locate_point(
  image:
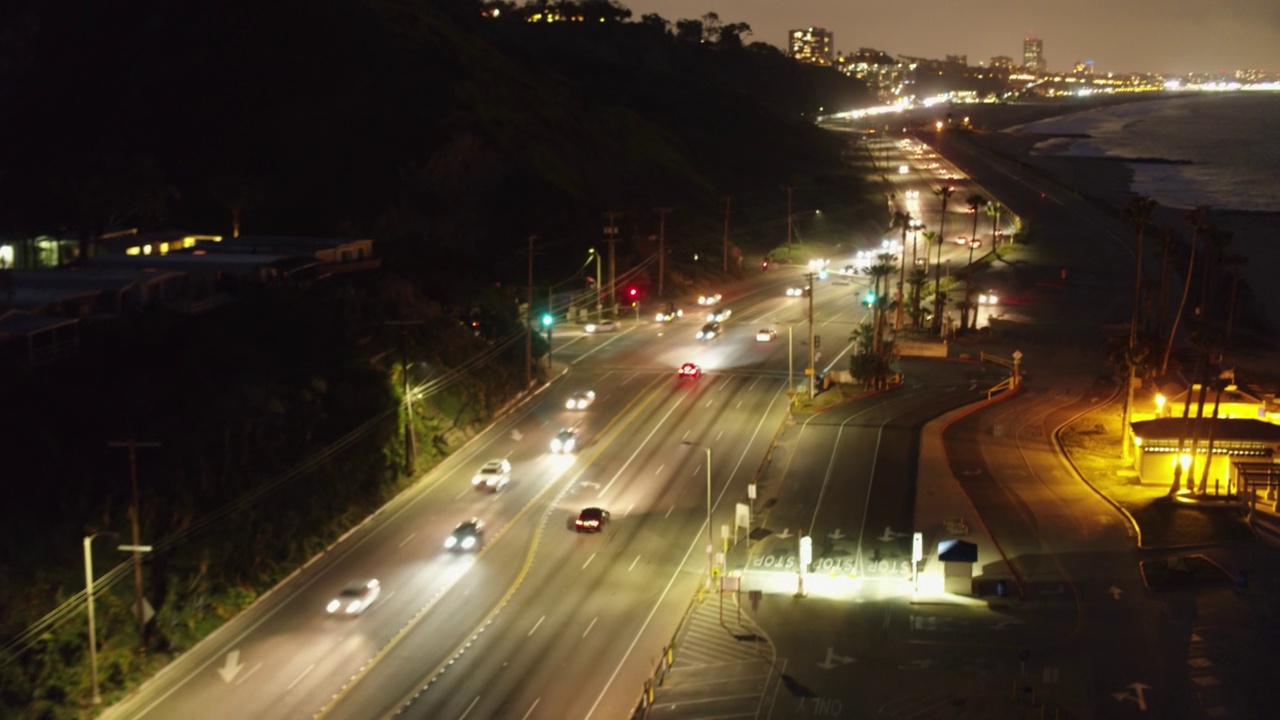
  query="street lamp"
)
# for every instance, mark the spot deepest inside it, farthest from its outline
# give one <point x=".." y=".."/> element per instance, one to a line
<point x="88" y="591"/>
<point x="710" y="542"/>
<point x="599" y="306"/>
<point x="93" y="635"/>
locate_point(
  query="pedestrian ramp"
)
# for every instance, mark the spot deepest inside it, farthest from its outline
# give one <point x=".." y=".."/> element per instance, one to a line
<point x="719" y="665"/>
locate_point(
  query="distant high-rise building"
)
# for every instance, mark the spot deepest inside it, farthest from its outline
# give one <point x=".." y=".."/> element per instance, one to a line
<point x="1002" y="62"/>
<point x="813" y="46"/>
<point x="1033" y="54"/>
<point x="1084" y="67"/>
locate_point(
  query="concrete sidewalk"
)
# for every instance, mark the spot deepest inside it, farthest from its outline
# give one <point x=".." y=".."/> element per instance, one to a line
<point x="944" y="512"/>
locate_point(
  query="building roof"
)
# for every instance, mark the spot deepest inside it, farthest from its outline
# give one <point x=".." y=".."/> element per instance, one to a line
<point x="16" y="322"/>
<point x="280" y="242"/>
<point x="1223" y="429"/>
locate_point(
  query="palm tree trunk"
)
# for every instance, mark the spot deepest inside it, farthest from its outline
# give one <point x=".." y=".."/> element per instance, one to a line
<point x="1182" y="304"/>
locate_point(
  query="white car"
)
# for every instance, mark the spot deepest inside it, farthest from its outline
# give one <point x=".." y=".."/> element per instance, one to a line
<point x="580" y="400"/>
<point x="565" y="441"/>
<point x="602" y="326"/>
<point x="719" y="315"/>
<point x="354" y="598"/>
<point x="766" y="335"/>
<point x="796" y="292"/>
<point x="961" y="240"/>
<point x="988" y="298"/>
<point x="711" y="299"/>
<point x="493" y="476"/>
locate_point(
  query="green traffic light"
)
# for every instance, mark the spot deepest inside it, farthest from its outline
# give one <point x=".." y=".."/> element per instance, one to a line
<point x="546" y="320"/>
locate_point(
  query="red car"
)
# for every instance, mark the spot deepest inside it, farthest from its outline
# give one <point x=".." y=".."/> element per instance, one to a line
<point x="689" y="370"/>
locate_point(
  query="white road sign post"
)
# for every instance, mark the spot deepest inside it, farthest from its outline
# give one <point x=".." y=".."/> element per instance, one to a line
<point x="806" y="557"/>
<point x="917" y="554"/>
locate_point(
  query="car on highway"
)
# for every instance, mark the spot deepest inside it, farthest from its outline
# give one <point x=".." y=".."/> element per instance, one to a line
<point x="467" y="536"/>
<point x="602" y="327"/>
<point x="990" y="297"/>
<point x="580" y="400"/>
<point x="710" y="331"/>
<point x="719" y="315"/>
<point x="493" y="475"/>
<point x="711" y="299"/>
<point x="975" y="243"/>
<point x="766" y="335"/>
<point x="797" y="291"/>
<point x="354" y="598"/>
<point x="912" y="194"/>
<point x="689" y="371"/>
<point x="668" y="314"/>
<point x="565" y="441"/>
<point x="961" y="240"/>
<point x="592" y="519"/>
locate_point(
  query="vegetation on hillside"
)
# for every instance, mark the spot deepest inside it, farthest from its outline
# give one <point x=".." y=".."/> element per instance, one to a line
<point x="449" y="137"/>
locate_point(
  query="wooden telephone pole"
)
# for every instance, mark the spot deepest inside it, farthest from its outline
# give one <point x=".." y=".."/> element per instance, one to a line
<point x="132" y="445"/>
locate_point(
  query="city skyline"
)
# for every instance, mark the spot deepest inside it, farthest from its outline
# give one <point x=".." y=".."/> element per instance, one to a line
<point x="1194" y="39"/>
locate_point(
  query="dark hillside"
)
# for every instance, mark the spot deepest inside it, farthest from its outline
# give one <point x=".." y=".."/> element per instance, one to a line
<point x="401" y="119"/>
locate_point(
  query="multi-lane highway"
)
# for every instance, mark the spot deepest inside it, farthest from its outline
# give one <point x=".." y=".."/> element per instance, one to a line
<point x="542" y="622"/>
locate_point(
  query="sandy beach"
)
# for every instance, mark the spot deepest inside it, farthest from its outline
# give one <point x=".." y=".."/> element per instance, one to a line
<point x="1106" y="183"/>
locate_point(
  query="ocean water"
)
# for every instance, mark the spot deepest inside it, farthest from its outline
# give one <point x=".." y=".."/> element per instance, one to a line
<point x="1226" y="145"/>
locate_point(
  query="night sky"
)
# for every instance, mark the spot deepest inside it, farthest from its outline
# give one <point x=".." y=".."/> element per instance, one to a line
<point x="1121" y="36"/>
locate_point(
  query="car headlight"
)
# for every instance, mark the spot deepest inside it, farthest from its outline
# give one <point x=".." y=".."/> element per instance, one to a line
<point x="450" y="541"/>
<point x="555" y="444"/>
<point x="468" y="542"/>
<point x="591" y="328"/>
<point x="568" y="446"/>
<point x="355" y="607"/>
<point x="569" y="405"/>
<point x="333" y="606"/>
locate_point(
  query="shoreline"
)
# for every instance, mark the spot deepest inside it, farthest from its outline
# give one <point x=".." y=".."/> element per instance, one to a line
<point x="1107" y="183"/>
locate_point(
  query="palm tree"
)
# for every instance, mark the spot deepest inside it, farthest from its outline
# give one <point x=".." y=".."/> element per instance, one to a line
<point x="994" y="211"/>
<point x="1137" y="213"/>
<point x="943" y="193"/>
<point x="1194" y="218"/>
<point x="974" y="202"/>
<point x="1234" y="261"/>
<point x="880" y="272"/>
<point x="1219" y="240"/>
<point x="903" y="221"/>
<point x="918" y="277"/>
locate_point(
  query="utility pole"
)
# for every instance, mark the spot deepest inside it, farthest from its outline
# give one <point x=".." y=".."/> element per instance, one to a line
<point x="528" y="322"/>
<point x="132" y="445"/>
<point x="610" y="237"/>
<point x="410" y="450"/>
<point x="813" y="370"/>
<point x="788" y="223"/>
<point x="662" y="246"/>
<point x="728" y="200"/>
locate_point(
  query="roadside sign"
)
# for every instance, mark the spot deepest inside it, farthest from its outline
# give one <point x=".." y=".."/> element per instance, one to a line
<point x="917" y="547"/>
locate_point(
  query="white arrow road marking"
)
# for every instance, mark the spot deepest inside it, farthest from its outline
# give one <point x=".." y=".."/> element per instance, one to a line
<point x="588" y="483"/>
<point x="786" y="533"/>
<point x="231" y="666"/>
<point x="833" y="660"/>
<point x="836" y="534"/>
<point x="1138" y="696"/>
<point x="1115" y="592"/>
<point x="516" y="435"/>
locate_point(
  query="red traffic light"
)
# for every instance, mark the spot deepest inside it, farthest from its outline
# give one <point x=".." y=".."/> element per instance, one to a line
<point x="632" y="292"/>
